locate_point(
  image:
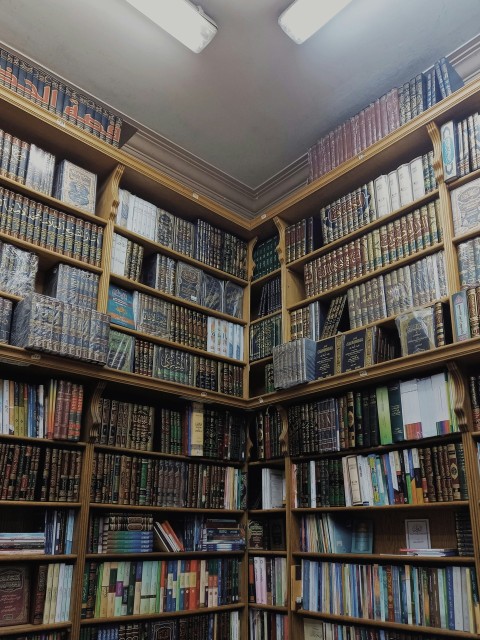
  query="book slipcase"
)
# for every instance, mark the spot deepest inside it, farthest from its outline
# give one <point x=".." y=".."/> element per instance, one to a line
<point x="67" y="466"/>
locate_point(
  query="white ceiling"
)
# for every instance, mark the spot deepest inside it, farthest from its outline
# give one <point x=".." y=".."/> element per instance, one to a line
<point x="253" y="101"/>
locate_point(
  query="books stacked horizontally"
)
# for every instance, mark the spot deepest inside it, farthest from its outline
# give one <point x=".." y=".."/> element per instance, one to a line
<point x="383" y="116"/>
<point x="460" y="146"/>
<point x="41" y="323"/>
<point x="56" y="537"/>
<point x="117" y="532"/>
<point x="26" y="163"/>
<point x="54" y="95"/>
<point x="265" y="257"/>
<point x="50" y="228"/>
<point x="52" y="411"/>
<point x="31" y="542"/>
<point x="18" y="270"/>
<point x="222" y="534"/>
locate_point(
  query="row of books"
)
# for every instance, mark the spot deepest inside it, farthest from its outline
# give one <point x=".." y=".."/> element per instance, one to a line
<point x="328" y="478"/>
<point x="18" y="270"/>
<point x="301" y="238"/>
<point x="466" y="314"/>
<point x="51" y="594"/>
<point x="383" y="246"/>
<point x="6" y="311"/>
<point x="409" y="476"/>
<point x="72" y="285"/>
<point x="378" y="198"/>
<point x="265" y="257"/>
<point x="273" y="488"/>
<point x="122" y="479"/>
<point x="267" y="534"/>
<point x="49" y="228"/>
<point x="267" y="429"/>
<point x="31" y="473"/>
<point x="22" y="542"/>
<point x="26" y="163"/>
<point x="127" y="353"/>
<point x="127" y="258"/>
<point x="266" y="625"/>
<point x="394" y="412"/>
<point x="207" y="626"/>
<point x="474" y="388"/>
<point x="45" y="324"/>
<point x="52" y="411"/>
<point x="444" y="597"/>
<point x="125" y="424"/>
<point x="200" y="240"/>
<point x="413" y="285"/>
<point x="54" y="95"/>
<point x="460" y="146"/>
<point x="294" y="363"/>
<point x="157" y="586"/>
<point x="120" y="532"/>
<point x="325" y="533"/>
<point x="201" y="534"/>
<point x="463" y="532"/>
<point x="54" y="538"/>
<point x="468" y="254"/>
<point x="267" y="581"/>
<point x="190" y="283"/>
<point x="319" y="630"/>
<point x="268" y="378"/>
<point x="270" y="297"/>
<point x="264" y="336"/>
<point x="381" y="117"/>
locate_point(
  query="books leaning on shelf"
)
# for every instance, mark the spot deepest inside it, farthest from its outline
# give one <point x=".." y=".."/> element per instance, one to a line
<point x="35" y="222"/>
<point x="267" y="581"/>
<point x="326" y="533"/>
<point x="400" y="410"/>
<point x="44" y="324"/>
<point x="144" y="586"/>
<point x="6" y="311"/>
<point x="265" y="257"/>
<point x="273" y="489"/>
<point x="313" y="322"/>
<point x="267" y="625"/>
<point x="117" y="532"/>
<point x="294" y="363"/>
<point x="54" y="95"/>
<point x="460" y="146"/>
<point x="381" y="117"/>
<point x="26" y="163"/>
<point x="205" y="626"/>
<point x="445" y="601"/>
<point x="265" y="335"/>
<point x="52" y="411"/>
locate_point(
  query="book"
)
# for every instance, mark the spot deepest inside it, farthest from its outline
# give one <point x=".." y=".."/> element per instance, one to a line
<point x="417" y="330"/>
<point x="120" y="306"/>
<point x="188" y="282"/>
<point x="14" y="594"/>
<point x="233" y="299"/>
<point x="75" y="186"/>
<point x="465" y="207"/>
<point x="362" y="536"/>
<point x="212" y="292"/>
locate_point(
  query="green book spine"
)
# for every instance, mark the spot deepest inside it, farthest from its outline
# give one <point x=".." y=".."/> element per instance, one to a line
<point x="396" y="416"/>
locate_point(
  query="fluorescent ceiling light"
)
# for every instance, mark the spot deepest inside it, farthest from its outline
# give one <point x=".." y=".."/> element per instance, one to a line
<point x="303" y="18"/>
<point x="181" y="19"/>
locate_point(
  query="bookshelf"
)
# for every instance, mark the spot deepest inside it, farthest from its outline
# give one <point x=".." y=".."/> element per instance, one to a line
<point x="283" y="278"/>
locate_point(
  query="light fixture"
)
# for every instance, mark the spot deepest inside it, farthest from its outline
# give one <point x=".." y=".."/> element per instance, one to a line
<point x="303" y="18"/>
<point x="181" y="19"/>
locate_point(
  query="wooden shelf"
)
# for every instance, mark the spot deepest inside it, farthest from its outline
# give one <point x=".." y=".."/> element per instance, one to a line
<point x="154" y="247"/>
<point x="385" y="557"/>
<point x="328" y="617"/>
<point x="186" y="510"/>
<point x="42" y="441"/>
<point x="428" y="505"/>
<point x="38" y="503"/>
<point x="458" y="182"/>
<point x="268" y="607"/>
<point x="259" y="361"/>
<point x="167" y="614"/>
<point x="273" y="462"/>
<point x="265" y="278"/>
<point x="273" y="314"/>
<point x="37" y="557"/>
<point x="170" y="456"/>
<point x="298" y="264"/>
<point x="160" y="555"/>
<point x="20" y="629"/>
<point x="342" y="288"/>
<point x="266" y="552"/>
<point x="266" y="512"/>
<point x="468" y="235"/>
<point x="133" y="285"/>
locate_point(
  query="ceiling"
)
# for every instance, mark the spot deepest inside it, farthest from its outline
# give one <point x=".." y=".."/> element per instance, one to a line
<point x="253" y="101"/>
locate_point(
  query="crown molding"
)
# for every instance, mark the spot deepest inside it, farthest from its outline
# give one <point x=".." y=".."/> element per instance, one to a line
<point x="466" y="59"/>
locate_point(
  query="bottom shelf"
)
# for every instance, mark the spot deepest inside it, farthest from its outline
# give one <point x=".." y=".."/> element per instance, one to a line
<point x="405" y="628"/>
<point x="21" y="629"/>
